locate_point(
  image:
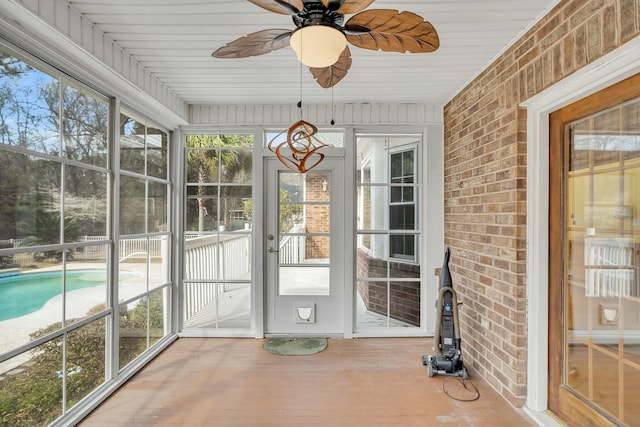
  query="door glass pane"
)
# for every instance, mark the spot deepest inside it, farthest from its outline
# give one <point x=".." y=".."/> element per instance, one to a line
<point x="303" y="280"/>
<point x="304" y="242"/>
<point x="602" y="305"/>
<point x="630" y="391"/>
<point x="606" y="380"/>
<point x="576" y="376"/>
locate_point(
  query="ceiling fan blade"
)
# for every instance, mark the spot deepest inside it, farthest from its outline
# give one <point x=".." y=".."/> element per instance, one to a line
<point x="393" y="31"/>
<point x="284" y="7"/>
<point x="330" y="76"/>
<point x="254" y="44"/>
<point x="351" y="6"/>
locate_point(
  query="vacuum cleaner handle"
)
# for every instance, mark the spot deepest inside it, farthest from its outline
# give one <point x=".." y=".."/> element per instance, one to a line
<point x="445" y="274"/>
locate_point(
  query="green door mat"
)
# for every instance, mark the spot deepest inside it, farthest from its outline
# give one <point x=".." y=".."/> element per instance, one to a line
<point x="295" y="346"/>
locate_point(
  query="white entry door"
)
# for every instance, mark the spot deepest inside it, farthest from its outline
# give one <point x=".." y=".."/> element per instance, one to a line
<point x="304" y="250"/>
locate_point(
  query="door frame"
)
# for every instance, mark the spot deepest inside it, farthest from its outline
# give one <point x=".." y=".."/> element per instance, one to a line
<point x="344" y="304"/>
<point x="561" y="400"/>
<point x="607" y="70"/>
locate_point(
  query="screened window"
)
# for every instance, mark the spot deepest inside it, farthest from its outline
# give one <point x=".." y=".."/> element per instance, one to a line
<point x="57" y="250"/>
<point x="54" y="248"/>
<point x="144" y="241"/>
<point x="388" y="271"/>
<point x="218" y="216"/>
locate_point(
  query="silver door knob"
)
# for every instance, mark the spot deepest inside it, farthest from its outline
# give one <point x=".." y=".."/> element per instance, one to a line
<point x="271" y="250"/>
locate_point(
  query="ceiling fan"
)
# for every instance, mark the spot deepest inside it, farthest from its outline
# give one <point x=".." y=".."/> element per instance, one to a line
<point x="321" y="35"/>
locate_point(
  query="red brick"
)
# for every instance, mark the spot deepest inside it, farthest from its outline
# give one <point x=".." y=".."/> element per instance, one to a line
<point x="485" y="176"/>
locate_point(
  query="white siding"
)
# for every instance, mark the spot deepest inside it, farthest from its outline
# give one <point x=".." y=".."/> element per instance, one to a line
<point x="344" y="115"/>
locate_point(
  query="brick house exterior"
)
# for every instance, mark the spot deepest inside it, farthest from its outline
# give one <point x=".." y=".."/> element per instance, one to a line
<point x="485" y="177"/>
<point x="317" y="215"/>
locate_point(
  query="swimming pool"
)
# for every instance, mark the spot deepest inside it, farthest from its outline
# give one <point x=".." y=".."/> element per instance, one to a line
<point x="26" y="293"/>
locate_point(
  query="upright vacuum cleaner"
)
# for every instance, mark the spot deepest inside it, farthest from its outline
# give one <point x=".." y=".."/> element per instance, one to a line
<point x="448" y="357"/>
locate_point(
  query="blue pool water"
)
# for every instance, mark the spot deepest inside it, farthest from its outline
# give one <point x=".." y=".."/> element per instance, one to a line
<point x="26" y="293"/>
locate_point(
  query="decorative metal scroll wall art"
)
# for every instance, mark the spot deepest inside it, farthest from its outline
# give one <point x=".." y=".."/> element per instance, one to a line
<point x="300" y="152"/>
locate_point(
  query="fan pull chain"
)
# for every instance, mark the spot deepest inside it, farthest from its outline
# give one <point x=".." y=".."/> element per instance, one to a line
<point x="333" y="108"/>
<point x="300" y="102"/>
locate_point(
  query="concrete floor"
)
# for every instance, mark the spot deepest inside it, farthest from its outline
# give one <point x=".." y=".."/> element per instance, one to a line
<point x="361" y="382"/>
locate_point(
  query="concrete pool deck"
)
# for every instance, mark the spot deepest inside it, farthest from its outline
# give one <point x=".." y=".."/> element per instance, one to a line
<point x="16" y="332"/>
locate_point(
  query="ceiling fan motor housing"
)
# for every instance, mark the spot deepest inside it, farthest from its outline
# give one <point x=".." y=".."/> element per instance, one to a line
<point x="315" y="13"/>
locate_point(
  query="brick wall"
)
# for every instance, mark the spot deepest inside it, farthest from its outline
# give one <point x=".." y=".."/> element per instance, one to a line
<point x="485" y="172"/>
<point x="402" y="298"/>
<point x="317" y="216"/>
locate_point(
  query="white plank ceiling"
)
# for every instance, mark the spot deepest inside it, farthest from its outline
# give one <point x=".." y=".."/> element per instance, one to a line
<point x="174" y="40"/>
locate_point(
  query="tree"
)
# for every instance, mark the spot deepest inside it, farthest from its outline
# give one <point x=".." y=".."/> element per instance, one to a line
<point x="83" y="123"/>
<point x="213" y="160"/>
<point x="30" y="118"/>
<point x="20" y="123"/>
<point x="46" y="230"/>
<point x="12" y="66"/>
<point x="204" y="164"/>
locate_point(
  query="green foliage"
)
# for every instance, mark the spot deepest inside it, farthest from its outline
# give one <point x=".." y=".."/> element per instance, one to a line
<point x="46" y="230"/>
<point x="33" y="397"/>
<point x="133" y="326"/>
<point x="247" y="208"/>
<point x="289" y="213"/>
<point x="6" y="260"/>
<point x="217" y="159"/>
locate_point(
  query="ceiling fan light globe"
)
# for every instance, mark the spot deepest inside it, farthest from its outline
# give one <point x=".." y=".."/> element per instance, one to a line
<point x="318" y="46"/>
